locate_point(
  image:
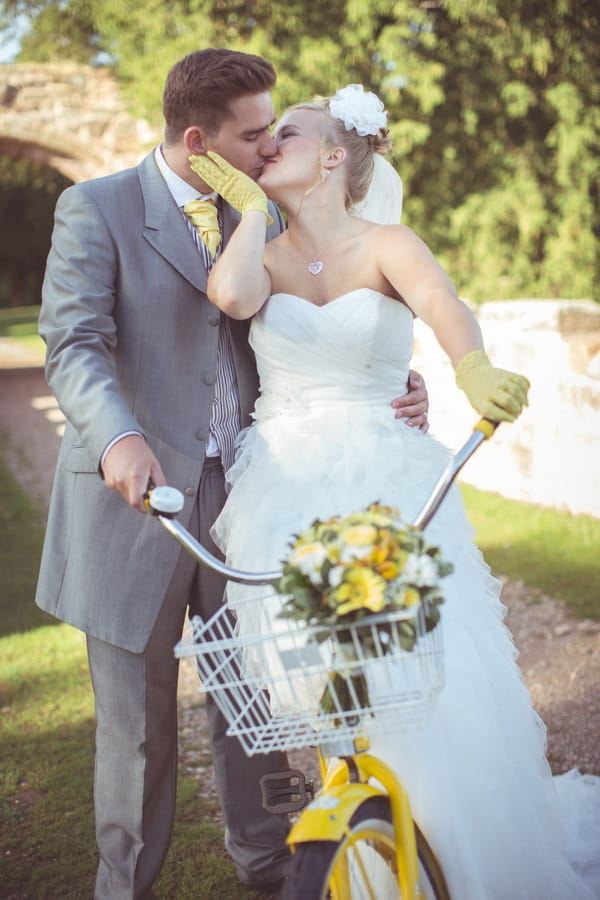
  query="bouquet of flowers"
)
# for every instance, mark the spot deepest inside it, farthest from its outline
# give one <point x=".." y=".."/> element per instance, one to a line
<point x="343" y="570"/>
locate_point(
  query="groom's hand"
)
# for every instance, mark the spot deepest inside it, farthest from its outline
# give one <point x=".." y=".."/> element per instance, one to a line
<point x="235" y="187"/>
<point x="128" y="467"/>
<point x="414" y="404"/>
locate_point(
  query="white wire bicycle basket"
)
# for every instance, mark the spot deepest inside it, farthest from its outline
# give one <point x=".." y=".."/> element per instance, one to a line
<point x="271" y="684"/>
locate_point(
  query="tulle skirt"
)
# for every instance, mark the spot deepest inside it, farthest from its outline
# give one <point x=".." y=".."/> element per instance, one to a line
<point x="480" y="787"/>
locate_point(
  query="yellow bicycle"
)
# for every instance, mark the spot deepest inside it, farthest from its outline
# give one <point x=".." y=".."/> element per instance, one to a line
<point x="356" y="838"/>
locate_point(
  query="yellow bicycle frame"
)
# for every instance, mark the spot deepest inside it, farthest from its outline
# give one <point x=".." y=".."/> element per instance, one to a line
<point x="327" y="818"/>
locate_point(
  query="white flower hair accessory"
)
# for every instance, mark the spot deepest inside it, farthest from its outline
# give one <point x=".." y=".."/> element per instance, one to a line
<point x="358" y="109"/>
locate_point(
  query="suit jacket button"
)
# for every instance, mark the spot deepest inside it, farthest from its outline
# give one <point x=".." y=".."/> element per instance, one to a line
<point x="201" y="436"/>
<point x="190" y="492"/>
<point x="209" y="379"/>
<point x="213" y="320"/>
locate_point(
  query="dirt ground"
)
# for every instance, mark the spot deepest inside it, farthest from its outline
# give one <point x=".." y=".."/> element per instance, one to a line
<point x="558" y="654"/>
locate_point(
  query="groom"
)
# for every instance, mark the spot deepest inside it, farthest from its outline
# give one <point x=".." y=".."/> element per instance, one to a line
<point x="155" y="384"/>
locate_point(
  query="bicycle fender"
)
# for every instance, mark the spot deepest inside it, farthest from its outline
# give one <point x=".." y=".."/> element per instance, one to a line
<point x="328" y="816"/>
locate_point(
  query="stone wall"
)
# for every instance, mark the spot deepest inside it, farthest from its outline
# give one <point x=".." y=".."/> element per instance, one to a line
<point x="551" y="455"/>
<point x="69" y="117"/>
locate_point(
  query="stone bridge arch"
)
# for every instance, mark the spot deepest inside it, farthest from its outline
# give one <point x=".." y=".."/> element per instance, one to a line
<point x="69" y="117"/>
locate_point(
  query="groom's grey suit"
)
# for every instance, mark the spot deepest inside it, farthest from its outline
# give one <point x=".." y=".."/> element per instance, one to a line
<point x="132" y="346"/>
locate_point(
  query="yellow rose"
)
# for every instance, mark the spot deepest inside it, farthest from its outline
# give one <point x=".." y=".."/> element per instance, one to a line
<point x="388" y="557"/>
<point x="379" y="554"/>
<point x="359" y="535"/>
<point x="409" y="597"/>
<point x="388" y="569"/>
<point x="361" y="589"/>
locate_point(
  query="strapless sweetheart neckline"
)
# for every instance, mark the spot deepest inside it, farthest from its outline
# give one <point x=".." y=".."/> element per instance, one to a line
<point x="337" y="299"/>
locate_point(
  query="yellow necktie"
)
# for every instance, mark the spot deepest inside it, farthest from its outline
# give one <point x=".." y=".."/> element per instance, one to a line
<point x="203" y="215"/>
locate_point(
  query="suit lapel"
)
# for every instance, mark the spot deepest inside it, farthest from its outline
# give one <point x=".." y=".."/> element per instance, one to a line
<point x="231" y="219"/>
<point x="165" y="228"/>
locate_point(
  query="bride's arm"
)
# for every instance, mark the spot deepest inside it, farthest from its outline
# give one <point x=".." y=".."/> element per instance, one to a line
<point x="410" y="267"/>
<point x="412" y="270"/>
<point x="239" y="284"/>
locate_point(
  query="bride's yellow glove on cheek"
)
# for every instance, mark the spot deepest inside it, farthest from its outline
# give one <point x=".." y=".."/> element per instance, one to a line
<point x="495" y="393"/>
<point x="235" y="187"/>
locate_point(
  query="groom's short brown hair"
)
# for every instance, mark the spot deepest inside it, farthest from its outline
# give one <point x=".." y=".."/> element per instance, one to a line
<point x="200" y="87"/>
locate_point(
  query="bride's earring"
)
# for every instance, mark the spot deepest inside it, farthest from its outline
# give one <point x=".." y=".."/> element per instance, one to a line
<point x="323" y="172"/>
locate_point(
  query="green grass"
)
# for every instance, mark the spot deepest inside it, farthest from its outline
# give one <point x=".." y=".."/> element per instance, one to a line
<point x="19" y="321"/>
<point x="555" y="553"/>
<point x="47" y="843"/>
<point x="20" y="549"/>
<point x="20" y="324"/>
<point x="46" y="827"/>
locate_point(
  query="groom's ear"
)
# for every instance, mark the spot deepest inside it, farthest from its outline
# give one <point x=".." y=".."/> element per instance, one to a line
<point x="195" y="140"/>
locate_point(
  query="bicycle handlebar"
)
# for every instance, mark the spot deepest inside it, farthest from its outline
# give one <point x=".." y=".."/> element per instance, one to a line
<point x="482" y="431"/>
<point x="167" y="502"/>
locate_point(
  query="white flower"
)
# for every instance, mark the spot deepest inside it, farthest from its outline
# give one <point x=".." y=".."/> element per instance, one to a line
<point x="309" y="558"/>
<point x="420" y="571"/>
<point x="335" y="576"/>
<point x="358" y="109"/>
<point x="350" y="552"/>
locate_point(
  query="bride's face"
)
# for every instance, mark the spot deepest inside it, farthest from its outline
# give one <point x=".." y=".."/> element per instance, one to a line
<point x="299" y="139"/>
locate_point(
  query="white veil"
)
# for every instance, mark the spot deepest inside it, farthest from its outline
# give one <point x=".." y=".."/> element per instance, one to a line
<point x="383" y="203"/>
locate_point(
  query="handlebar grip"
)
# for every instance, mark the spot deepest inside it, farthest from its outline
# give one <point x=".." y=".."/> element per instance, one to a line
<point x="487" y="427"/>
<point x="163" y="501"/>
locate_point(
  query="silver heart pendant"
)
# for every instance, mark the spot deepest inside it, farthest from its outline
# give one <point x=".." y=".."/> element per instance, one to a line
<point x="315" y="267"/>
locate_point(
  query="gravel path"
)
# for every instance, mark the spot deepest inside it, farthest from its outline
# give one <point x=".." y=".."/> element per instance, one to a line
<point x="558" y="654"/>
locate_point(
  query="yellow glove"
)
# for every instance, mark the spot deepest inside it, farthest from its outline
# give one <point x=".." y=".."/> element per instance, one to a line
<point x="495" y="393"/>
<point x="235" y="187"/>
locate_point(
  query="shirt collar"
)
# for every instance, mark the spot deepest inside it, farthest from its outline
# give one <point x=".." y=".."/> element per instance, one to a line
<point x="180" y="190"/>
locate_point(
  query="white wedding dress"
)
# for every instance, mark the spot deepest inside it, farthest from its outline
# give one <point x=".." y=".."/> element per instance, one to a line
<point x="325" y="442"/>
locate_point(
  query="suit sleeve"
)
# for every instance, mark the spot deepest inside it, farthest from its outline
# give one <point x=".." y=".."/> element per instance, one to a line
<point x="77" y="323"/>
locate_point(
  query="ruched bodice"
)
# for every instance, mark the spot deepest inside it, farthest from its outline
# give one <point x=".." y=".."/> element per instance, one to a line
<point x="356" y="348"/>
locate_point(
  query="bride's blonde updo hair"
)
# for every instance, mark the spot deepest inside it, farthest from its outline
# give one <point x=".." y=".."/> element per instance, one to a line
<point x="355" y="120"/>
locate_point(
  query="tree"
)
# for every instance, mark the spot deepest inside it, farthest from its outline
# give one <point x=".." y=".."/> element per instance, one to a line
<point x="59" y="31"/>
<point x="494" y="108"/>
<point x="514" y="147"/>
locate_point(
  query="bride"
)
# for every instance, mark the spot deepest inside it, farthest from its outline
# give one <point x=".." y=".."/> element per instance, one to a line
<point x="333" y="300"/>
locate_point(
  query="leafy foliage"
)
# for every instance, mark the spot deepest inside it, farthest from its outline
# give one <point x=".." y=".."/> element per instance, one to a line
<point x="494" y="108"/>
<point x="59" y="32"/>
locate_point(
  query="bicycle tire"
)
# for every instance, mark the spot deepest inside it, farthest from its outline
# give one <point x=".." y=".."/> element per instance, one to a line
<point x="314" y="862"/>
